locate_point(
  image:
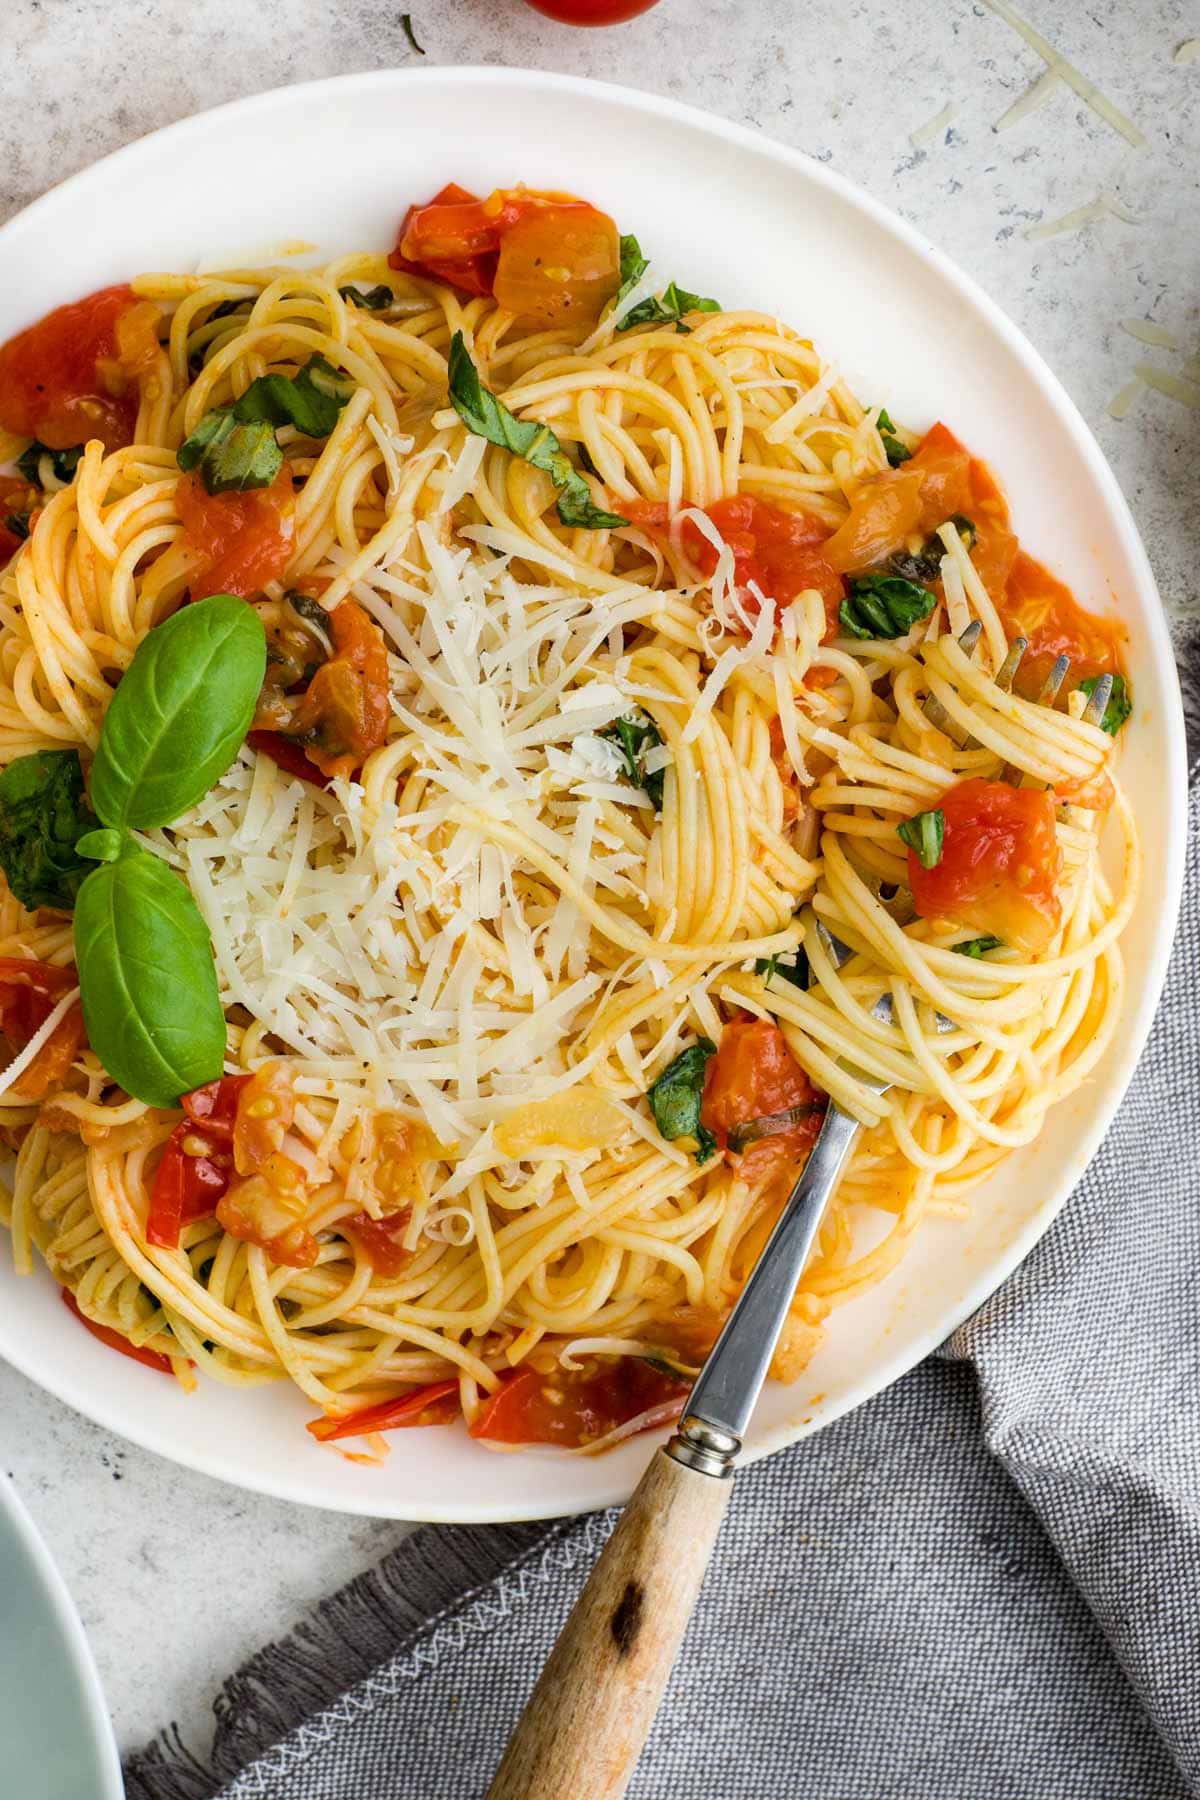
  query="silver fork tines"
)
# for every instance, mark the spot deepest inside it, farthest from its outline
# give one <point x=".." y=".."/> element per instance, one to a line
<point x="933" y="709"/>
<point x="884" y="1009"/>
<point x="1096" y="707"/>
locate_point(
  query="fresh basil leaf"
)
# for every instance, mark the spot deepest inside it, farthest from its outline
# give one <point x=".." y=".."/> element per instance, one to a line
<point x="489" y="418"/>
<point x="965" y="528"/>
<point x="894" y="450"/>
<point x="310" y="400"/>
<point x="147" y="980"/>
<point x="182" y="710"/>
<point x="1120" y="702"/>
<point x="373" y="299"/>
<point x="636" y="735"/>
<point x="668" y="309"/>
<point x="103" y="845"/>
<point x="234" y="447"/>
<point x="796" y="971"/>
<point x="406" y="25"/>
<point x="977" y="946"/>
<point x="633" y="265"/>
<point x="884" y="606"/>
<point x="61" y="466"/>
<point x="925" y="834"/>
<point x="43" y="809"/>
<point x="676" y="1096"/>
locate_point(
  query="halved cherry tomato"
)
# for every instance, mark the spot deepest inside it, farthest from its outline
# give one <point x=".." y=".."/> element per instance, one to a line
<point x="18" y="502"/>
<point x="885" y="512"/>
<point x="265" y="1109"/>
<point x="572" y="1408"/>
<point x="29" y="992"/>
<point x="753" y="1076"/>
<point x="73" y="375"/>
<point x="781" y="552"/>
<point x="289" y="755"/>
<point x="436" y="1404"/>
<point x="344" y="713"/>
<point x="998" y="870"/>
<point x="196" y="1166"/>
<point x="381" y="1241"/>
<point x="460" y="266"/>
<point x="243" y="540"/>
<point x="115" y="1339"/>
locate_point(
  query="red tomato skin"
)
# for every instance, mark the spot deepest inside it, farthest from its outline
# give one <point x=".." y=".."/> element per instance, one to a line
<point x="288" y="755"/>
<point x="51" y="386"/>
<point x="999" y="865"/>
<point x="591" y="12"/>
<point x="29" y="992"/>
<point x="380" y="1240"/>
<point x="778" y="550"/>
<point x="151" y="1358"/>
<point x="571" y="1408"/>
<point x="437" y="1404"/>
<point x="243" y="540"/>
<point x="187" y="1187"/>
<point x="753" y="1075"/>
<point x="473" y="272"/>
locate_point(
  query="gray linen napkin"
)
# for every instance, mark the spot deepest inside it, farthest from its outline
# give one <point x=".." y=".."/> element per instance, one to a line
<point x="984" y="1583"/>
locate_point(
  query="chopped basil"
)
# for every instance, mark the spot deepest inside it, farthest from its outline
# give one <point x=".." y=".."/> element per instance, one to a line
<point x="586" y="459"/>
<point x="636" y="735"/>
<point x="633" y="265"/>
<point x="884" y="606"/>
<point x="309" y="609"/>
<point x="925" y="834"/>
<point x="43" y="810"/>
<point x="668" y="308"/>
<point x="374" y="299"/>
<point x="61" y="466"/>
<point x="895" y="451"/>
<point x="489" y="418"/>
<point x="18" y="524"/>
<point x="676" y="1096"/>
<point x="234" y="447"/>
<point x="925" y="564"/>
<point x="976" y="947"/>
<point x="406" y="25"/>
<point x="965" y="528"/>
<point x="1120" y="702"/>
<point x="796" y="971"/>
<point x="771" y="1125"/>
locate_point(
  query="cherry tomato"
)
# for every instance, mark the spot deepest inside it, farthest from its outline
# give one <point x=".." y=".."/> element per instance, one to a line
<point x="72" y="376"/>
<point x="592" y="12"/>
<point x="243" y="540"/>
<point x="436" y="1404"/>
<point x="114" y="1339"/>
<point x="436" y="240"/>
<point x="572" y="1408"/>
<point x="752" y="1076"/>
<point x="781" y="552"/>
<point x="998" y="870"/>
<point x="344" y="714"/>
<point x="380" y="1241"/>
<point x="196" y="1165"/>
<point x="29" y="992"/>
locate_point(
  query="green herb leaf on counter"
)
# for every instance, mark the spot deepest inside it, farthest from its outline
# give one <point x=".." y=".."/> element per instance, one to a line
<point x="406" y="25"/>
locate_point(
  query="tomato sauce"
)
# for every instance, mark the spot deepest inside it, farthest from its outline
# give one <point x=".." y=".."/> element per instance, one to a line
<point x="998" y="871"/>
<point x="73" y="375"/>
<point x="242" y="540"/>
<point x="752" y="1076"/>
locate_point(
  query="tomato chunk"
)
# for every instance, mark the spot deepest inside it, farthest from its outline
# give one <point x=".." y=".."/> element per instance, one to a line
<point x="196" y="1166"/>
<point x="437" y="1404"/>
<point x="998" y="871"/>
<point x="885" y="512"/>
<point x="242" y="540"/>
<point x="572" y="1408"/>
<point x="781" y="552"/>
<point x="343" y="714"/>
<point x="436" y="241"/>
<point x="73" y="375"/>
<point x="381" y="1241"/>
<point x="115" y="1339"/>
<point x="29" y="992"/>
<point x="288" y="754"/>
<point x="18" y="504"/>
<point x="755" y="1076"/>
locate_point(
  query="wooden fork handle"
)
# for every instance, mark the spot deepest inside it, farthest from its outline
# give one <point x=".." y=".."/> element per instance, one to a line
<point x="580" y="1736"/>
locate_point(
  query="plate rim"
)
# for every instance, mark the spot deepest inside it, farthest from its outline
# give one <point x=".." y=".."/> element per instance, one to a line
<point x="1141" y="1008"/>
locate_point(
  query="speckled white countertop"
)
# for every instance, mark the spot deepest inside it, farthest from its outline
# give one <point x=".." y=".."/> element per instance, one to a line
<point x="137" y="1539"/>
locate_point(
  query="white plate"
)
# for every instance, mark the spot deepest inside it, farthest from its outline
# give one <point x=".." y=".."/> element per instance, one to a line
<point x="54" y="1727"/>
<point x="732" y="214"/>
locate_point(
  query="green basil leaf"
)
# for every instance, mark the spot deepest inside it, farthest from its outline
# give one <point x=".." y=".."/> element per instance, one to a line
<point x="489" y="418"/>
<point x="633" y="265"/>
<point x="104" y="845"/>
<point x="965" y="528"/>
<point x="43" y="809"/>
<point x="676" y="1096"/>
<point x="182" y="710"/>
<point x="894" y="450"/>
<point x="1120" y="702"/>
<point x="234" y="447"/>
<point x="796" y="971"/>
<point x="373" y="299"/>
<point x="668" y="309"/>
<point x="976" y="947"/>
<point x="232" y="457"/>
<point x="406" y="26"/>
<point x="636" y="735"/>
<point x="884" y="606"/>
<point x="37" y="463"/>
<point x="147" y="979"/>
<point x="310" y="400"/>
<point x="925" y="834"/>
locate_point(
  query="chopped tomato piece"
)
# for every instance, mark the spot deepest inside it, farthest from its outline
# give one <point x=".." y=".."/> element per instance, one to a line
<point x="886" y="511"/>
<point x="437" y="1404"/>
<point x="116" y="1340"/>
<point x="572" y="1408"/>
<point x="269" y="1209"/>
<point x="781" y="552"/>
<point x="649" y="515"/>
<point x="754" y="1076"/>
<point x="380" y="1241"/>
<point x="73" y="375"/>
<point x="241" y="540"/>
<point x="265" y="1109"/>
<point x="947" y="488"/>
<point x="196" y="1166"/>
<point x="344" y="714"/>
<point x="18" y="503"/>
<point x="29" y="992"/>
<point x="288" y="754"/>
<point x="547" y="257"/>
<point x="998" y="870"/>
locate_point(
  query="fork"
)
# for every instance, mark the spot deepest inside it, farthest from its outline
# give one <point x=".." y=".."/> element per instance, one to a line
<point x="595" y="1701"/>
